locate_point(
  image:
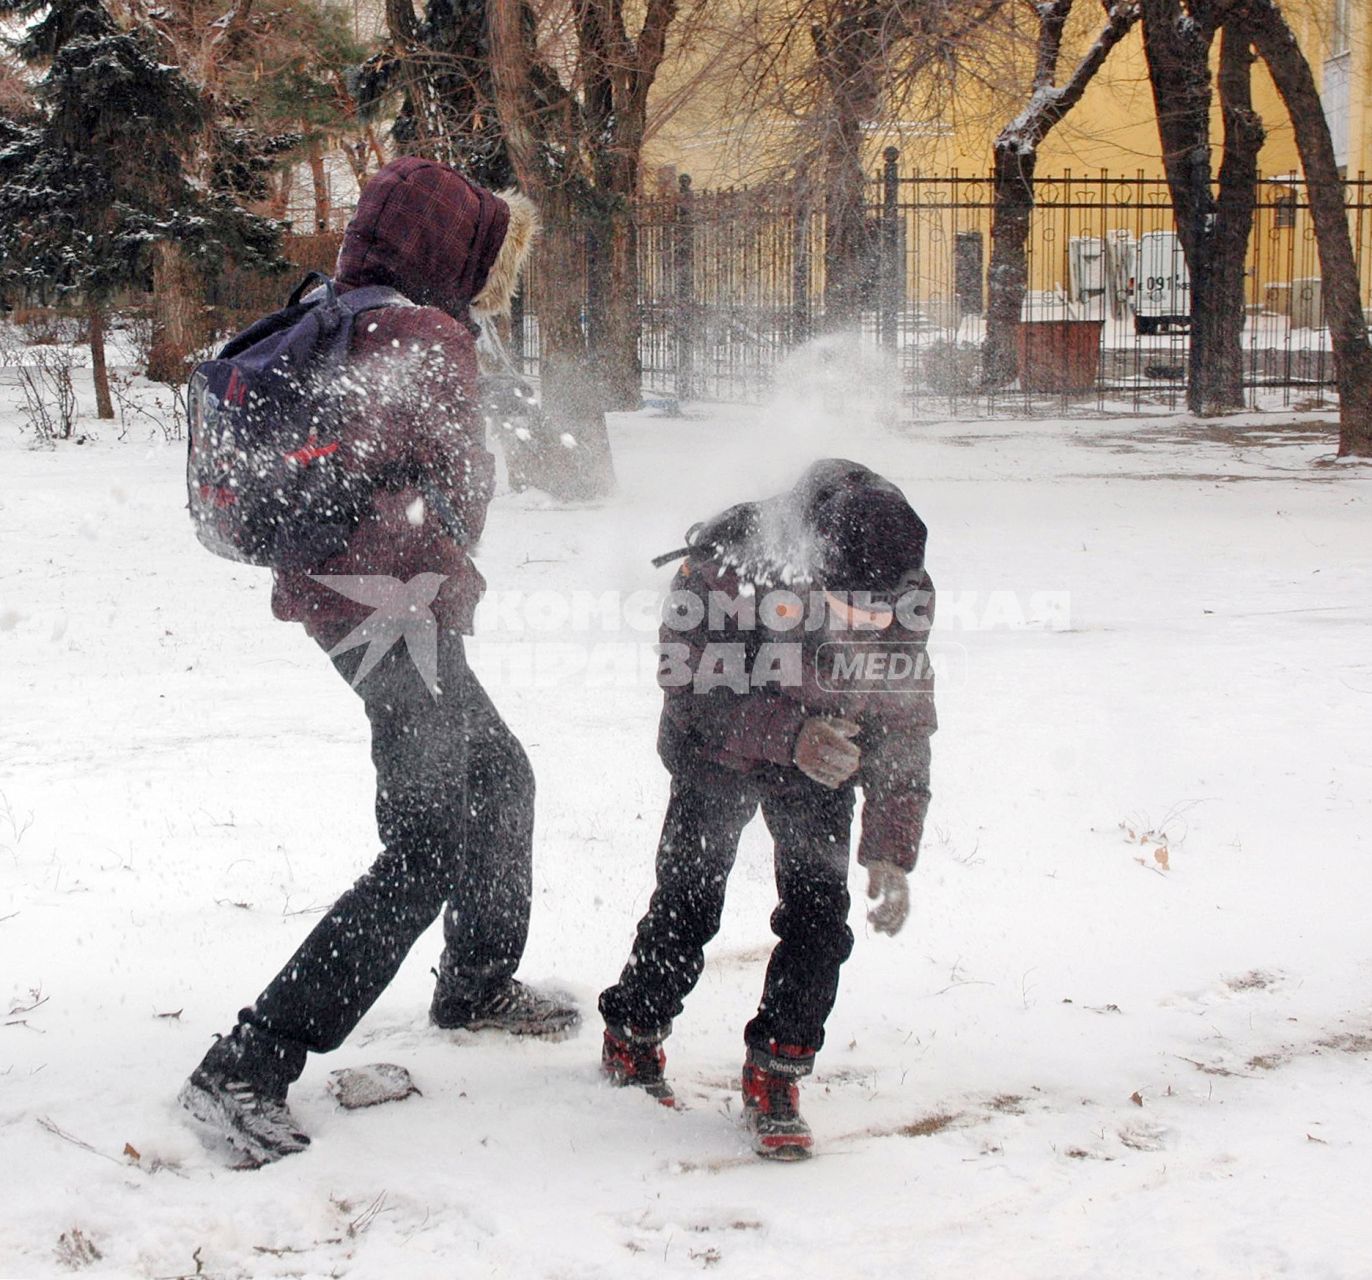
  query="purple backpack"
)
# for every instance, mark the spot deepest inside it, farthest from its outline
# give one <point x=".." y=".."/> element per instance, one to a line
<point x="266" y="485"/>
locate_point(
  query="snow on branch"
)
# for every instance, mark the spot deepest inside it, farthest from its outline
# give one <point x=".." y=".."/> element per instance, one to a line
<point x="1050" y="102"/>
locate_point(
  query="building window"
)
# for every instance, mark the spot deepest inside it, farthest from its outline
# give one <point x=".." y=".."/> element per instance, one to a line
<point x="1340" y="28"/>
<point x="1284" y="211"/>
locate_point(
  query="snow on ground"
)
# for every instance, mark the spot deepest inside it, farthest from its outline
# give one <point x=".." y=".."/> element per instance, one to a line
<point x="1075" y="1061"/>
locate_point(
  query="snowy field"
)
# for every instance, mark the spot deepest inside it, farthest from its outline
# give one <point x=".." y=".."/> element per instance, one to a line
<point x="1127" y="1032"/>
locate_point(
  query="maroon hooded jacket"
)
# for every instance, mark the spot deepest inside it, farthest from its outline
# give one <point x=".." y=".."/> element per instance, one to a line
<point x="410" y="396"/>
<point x="738" y="559"/>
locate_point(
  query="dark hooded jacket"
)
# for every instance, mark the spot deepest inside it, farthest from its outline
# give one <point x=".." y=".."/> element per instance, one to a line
<point x="409" y="394"/>
<point x="779" y="552"/>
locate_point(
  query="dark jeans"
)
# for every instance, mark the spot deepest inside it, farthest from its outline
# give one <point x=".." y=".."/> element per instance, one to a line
<point x="435" y="758"/>
<point x="708" y="809"/>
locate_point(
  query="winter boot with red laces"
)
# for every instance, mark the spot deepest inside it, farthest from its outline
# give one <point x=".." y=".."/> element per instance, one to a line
<point x="771" y="1100"/>
<point x="636" y="1058"/>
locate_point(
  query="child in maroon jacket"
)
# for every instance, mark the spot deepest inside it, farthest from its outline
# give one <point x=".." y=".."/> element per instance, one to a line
<point x="455" y="791"/>
<point x="794" y="669"/>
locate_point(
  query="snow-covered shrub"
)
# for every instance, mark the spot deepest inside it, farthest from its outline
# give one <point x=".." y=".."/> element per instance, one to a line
<point x="950" y="368"/>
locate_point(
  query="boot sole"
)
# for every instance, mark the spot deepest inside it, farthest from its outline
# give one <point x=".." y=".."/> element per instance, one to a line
<point x="659" y="1090"/>
<point x="786" y="1151"/>
<point x="538" y="1030"/>
<point x="786" y="1147"/>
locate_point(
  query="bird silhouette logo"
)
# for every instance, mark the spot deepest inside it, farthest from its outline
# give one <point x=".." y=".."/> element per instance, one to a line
<point x="400" y="611"/>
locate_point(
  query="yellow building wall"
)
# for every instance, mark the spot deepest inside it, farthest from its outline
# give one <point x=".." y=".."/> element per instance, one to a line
<point x="710" y="137"/>
<point x="1113" y="129"/>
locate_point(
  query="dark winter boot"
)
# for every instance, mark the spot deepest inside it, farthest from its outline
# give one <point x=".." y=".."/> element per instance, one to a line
<point x="637" y="1059"/>
<point x="254" y="1123"/>
<point x="513" y="1007"/>
<point x="771" y="1101"/>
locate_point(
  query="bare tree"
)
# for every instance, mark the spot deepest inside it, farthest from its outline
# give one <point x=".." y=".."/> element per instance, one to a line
<point x="439" y="67"/>
<point x="1265" y="24"/>
<point x="1016" y="160"/>
<point x="572" y="97"/>
<point x="828" y="73"/>
<point x="1221" y="379"/>
<point x="1214" y="234"/>
<point x="16" y="93"/>
<point x="201" y="42"/>
<point x="1214" y="229"/>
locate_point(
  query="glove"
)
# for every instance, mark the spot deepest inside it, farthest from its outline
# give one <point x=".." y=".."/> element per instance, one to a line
<point x="823" y="752"/>
<point x="888" y="882"/>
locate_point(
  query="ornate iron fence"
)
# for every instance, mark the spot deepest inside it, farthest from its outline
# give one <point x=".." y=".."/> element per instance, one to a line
<point x="731" y="282"/>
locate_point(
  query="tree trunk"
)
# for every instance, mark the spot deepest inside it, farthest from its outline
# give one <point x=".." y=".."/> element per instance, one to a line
<point x="1178" y="54"/>
<point x="847" y="44"/>
<point x="1008" y="275"/>
<point x="100" y="374"/>
<point x="572" y="397"/>
<point x="612" y="271"/>
<point x="175" y="315"/>
<point x="847" y="251"/>
<point x="279" y="202"/>
<point x="1295" y="83"/>
<point x="1016" y="158"/>
<point x="322" y="202"/>
<point x="1222" y="377"/>
<point x="612" y="268"/>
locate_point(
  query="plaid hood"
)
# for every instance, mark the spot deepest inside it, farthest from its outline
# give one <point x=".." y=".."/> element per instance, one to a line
<point x="441" y="240"/>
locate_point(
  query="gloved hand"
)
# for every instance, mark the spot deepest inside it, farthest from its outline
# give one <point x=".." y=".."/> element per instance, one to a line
<point x="888" y="882"/>
<point x="823" y="752"/>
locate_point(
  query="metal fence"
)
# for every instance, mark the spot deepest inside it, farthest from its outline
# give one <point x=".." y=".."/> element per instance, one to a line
<point x="731" y="282"/>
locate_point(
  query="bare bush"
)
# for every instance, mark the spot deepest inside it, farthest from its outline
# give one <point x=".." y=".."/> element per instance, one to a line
<point x="163" y="414"/>
<point x="40" y="352"/>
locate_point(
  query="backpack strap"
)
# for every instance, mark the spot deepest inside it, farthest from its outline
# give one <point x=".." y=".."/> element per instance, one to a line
<point x="370" y="298"/>
<point x="311" y="277"/>
<point x="338" y="315"/>
<point x="352" y="303"/>
<point x="660" y="562"/>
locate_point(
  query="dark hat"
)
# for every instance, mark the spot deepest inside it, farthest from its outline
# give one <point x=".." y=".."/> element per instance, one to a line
<point x="872" y="539"/>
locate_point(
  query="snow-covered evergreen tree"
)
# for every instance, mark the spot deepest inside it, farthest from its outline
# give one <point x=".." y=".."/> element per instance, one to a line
<point x="89" y="191"/>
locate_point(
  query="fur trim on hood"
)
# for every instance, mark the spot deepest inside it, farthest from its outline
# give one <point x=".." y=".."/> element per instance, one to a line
<point x="503" y="281"/>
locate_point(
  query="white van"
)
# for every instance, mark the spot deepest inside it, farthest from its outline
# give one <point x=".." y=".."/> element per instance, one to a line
<point x="1162" y="288"/>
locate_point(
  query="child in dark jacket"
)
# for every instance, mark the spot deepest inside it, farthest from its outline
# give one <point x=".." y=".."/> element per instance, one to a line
<point x="794" y="669"/>
<point x="455" y="791"/>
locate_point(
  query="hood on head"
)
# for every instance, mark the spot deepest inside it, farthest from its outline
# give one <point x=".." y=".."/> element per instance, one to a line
<point x="823" y="479"/>
<point x="870" y="538"/>
<point x="440" y="239"/>
<point x="841" y="526"/>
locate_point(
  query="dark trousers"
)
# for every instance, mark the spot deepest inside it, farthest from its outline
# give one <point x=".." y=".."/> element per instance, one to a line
<point x="438" y="761"/>
<point x="708" y="809"/>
